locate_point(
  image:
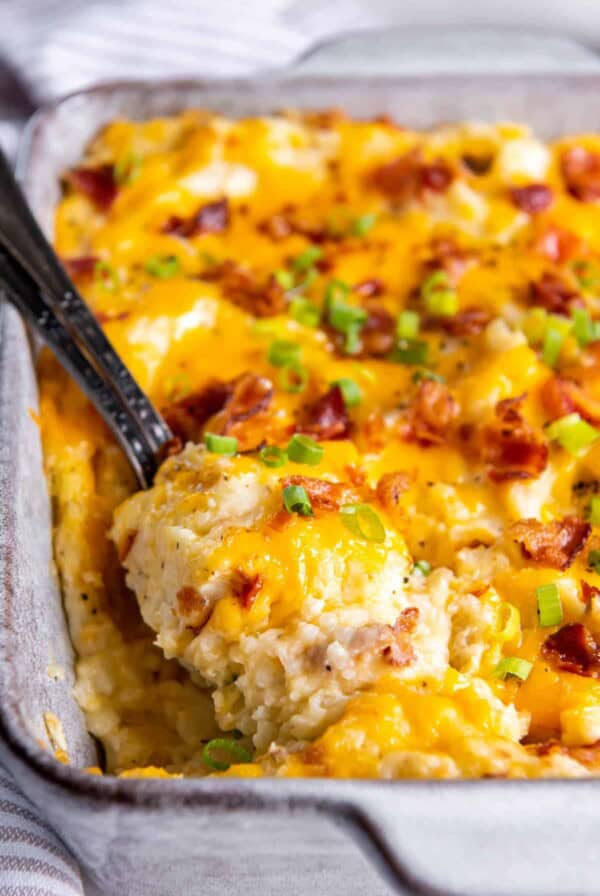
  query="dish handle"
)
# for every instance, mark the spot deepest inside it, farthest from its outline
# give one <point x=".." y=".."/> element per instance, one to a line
<point x="480" y="838"/>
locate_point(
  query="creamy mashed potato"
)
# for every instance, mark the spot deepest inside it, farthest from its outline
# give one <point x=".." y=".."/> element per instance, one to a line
<point x="375" y="548"/>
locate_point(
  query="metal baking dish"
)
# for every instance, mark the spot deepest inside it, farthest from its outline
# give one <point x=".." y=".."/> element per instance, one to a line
<point x="161" y="838"/>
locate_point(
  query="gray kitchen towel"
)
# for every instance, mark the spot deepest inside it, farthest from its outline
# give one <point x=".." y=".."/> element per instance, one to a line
<point x="50" y="47"/>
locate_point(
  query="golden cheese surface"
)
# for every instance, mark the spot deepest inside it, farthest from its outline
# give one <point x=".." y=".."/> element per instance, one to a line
<point x="375" y="549"/>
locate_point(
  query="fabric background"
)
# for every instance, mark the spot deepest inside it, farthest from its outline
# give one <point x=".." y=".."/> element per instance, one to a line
<point x="51" y="47"/>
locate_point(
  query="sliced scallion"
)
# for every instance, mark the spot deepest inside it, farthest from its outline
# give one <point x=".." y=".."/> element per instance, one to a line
<point x="304" y="450"/>
<point x="343" y="317"/>
<point x="284" y="278"/>
<point x="363" y="522"/>
<point x="106" y="276"/>
<point x="283" y="352"/>
<point x="163" y="266"/>
<point x="594" y="561"/>
<point x="273" y="456"/>
<point x="304" y="312"/>
<point x="439" y="295"/>
<point x="363" y="225"/>
<point x="594" y="511"/>
<point x="350" y="391"/>
<point x="293" y="378"/>
<point x="127" y="169"/>
<point x="222" y="745"/>
<point x="296" y="500"/>
<point x="407" y="326"/>
<point x="306" y="259"/>
<point x="553" y="340"/>
<point x="217" y="444"/>
<point x="409" y="351"/>
<point x="582" y="326"/>
<point x="573" y="433"/>
<point x="515" y="666"/>
<point x="422" y="566"/>
<point x="549" y="605"/>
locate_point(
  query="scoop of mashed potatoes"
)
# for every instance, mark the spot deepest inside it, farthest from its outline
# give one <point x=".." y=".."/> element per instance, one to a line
<point x="285" y="616"/>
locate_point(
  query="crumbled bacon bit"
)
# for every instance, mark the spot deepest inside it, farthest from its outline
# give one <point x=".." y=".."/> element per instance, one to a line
<point x="511" y="446"/>
<point x="324" y="495"/>
<point x="533" y="198"/>
<point x="588" y="591"/>
<point x="437" y="177"/>
<point x="561" y="396"/>
<point x="378" y="333"/>
<point x="554" y="544"/>
<point x="81" y="266"/>
<point x="448" y="256"/>
<point x="431" y="414"/>
<point x="242" y="287"/>
<point x="580" y="169"/>
<point x="369" y="288"/>
<point x="98" y="184"/>
<point x="277" y="227"/>
<point x="466" y="322"/>
<point x="391" y="641"/>
<point x="194" y="608"/>
<point x="210" y="218"/>
<point x="186" y="418"/>
<point x="553" y="294"/>
<point x="245" y="587"/>
<point x="407" y="176"/>
<point x="251" y="395"/>
<point x="391" y="487"/>
<point x="400" y="652"/>
<point x="557" y="244"/>
<point x="574" y="649"/>
<point x="327" y="417"/>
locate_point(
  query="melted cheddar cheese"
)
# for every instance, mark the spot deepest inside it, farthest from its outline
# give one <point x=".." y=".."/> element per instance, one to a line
<point x="422" y="307"/>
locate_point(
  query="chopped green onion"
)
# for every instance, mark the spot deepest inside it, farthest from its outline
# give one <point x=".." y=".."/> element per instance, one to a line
<point x="163" y="266"/>
<point x="296" y="500"/>
<point x="127" y="169"/>
<point x="350" y="391"/>
<point x="582" y="326"/>
<point x="419" y="375"/>
<point x="513" y="665"/>
<point x="553" y="340"/>
<point x="336" y="291"/>
<point x="293" y="378"/>
<point x="306" y="259"/>
<point x="362" y="521"/>
<point x="422" y="566"/>
<point x="442" y="303"/>
<point x="106" y="276"/>
<point x="342" y="317"/>
<point x="304" y="450"/>
<point x="304" y="312"/>
<point x="439" y="296"/>
<point x="409" y="351"/>
<point x="594" y="512"/>
<point x="549" y="605"/>
<point x="220" y="444"/>
<point x="594" y="561"/>
<point x="236" y="751"/>
<point x="284" y="278"/>
<point x="363" y="225"/>
<point x="573" y="433"/>
<point x="273" y="456"/>
<point x="534" y="325"/>
<point x="352" y="340"/>
<point x="283" y="352"/>
<point x="407" y="326"/>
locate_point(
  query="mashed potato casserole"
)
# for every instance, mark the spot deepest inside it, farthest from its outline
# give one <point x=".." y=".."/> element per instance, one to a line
<point x="374" y="549"/>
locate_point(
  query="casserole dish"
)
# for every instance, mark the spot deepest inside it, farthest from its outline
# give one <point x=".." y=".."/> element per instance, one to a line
<point x="142" y="836"/>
